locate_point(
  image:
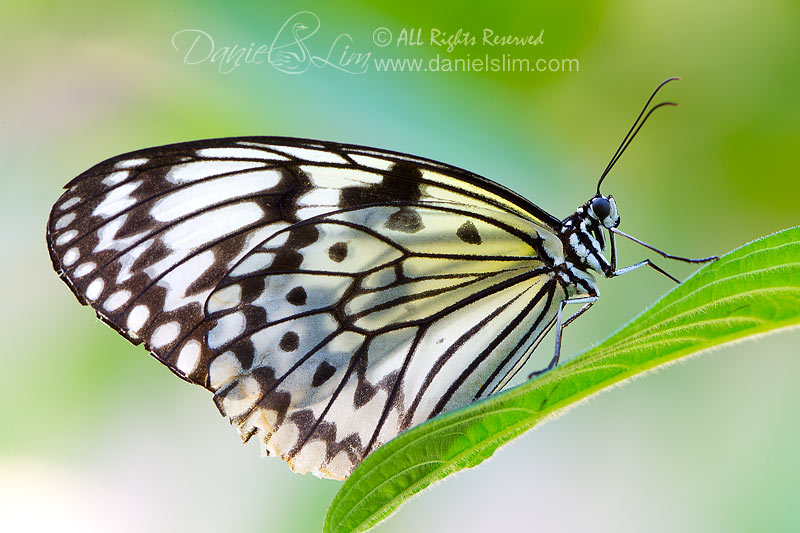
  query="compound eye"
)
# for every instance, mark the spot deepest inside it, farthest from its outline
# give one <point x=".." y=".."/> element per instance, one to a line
<point x="601" y="207"/>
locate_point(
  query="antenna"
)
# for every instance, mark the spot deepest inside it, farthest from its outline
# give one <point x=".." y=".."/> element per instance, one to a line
<point x="637" y="125"/>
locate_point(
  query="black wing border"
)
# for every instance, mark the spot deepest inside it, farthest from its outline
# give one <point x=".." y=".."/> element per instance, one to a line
<point x="340" y="149"/>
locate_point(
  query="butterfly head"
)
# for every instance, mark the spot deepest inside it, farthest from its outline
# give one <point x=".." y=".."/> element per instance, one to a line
<point x="603" y="209"/>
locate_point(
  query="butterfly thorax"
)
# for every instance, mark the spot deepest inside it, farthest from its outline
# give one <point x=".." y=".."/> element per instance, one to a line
<point x="583" y="238"/>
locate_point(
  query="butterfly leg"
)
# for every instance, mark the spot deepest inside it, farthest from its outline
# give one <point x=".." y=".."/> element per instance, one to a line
<point x="646" y="262"/>
<point x="709" y="259"/>
<point x="613" y="271"/>
<point x="587" y="302"/>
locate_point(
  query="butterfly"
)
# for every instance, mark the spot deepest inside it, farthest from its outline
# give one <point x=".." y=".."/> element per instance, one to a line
<point x="330" y="296"/>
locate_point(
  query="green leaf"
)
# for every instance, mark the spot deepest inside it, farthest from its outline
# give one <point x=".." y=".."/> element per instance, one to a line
<point x="750" y="291"/>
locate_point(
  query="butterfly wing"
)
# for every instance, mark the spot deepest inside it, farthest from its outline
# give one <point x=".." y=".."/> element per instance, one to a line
<point x="331" y="296"/>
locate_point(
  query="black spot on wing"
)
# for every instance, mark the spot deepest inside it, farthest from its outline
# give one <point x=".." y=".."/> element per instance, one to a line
<point x="297" y="296"/>
<point x="245" y="352"/>
<point x="403" y="181"/>
<point x="323" y="373"/>
<point x="287" y="257"/>
<point x="290" y="341"/>
<point x="278" y="401"/>
<point x="252" y="288"/>
<point x="338" y="252"/>
<point x="406" y="220"/>
<point x="255" y="318"/>
<point x="468" y="233"/>
<point x="399" y="184"/>
<point x="301" y="184"/>
<point x="365" y="391"/>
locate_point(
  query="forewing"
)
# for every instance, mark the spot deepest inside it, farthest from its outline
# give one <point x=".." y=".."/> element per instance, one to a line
<point x="144" y="238"/>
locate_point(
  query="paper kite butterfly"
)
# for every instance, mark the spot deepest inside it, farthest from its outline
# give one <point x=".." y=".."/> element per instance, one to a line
<point x="330" y="296"/>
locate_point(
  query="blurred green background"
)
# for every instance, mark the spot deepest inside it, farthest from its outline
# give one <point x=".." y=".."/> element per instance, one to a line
<point x="97" y="436"/>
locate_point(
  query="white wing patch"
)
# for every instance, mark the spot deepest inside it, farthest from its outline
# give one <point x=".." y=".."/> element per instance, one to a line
<point x="210" y="192"/>
<point x="203" y="170"/>
<point x="372" y="162"/>
<point x="117" y="200"/>
<point x="306" y="154"/>
<point x="131" y="163"/>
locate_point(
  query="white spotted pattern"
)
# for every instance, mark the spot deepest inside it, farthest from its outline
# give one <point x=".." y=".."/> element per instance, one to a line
<point x="117" y="200"/>
<point x="66" y="237"/>
<point x="319" y="156"/>
<point x="116" y="300"/>
<point x="71" y="255"/>
<point x="227" y="329"/>
<point x="189" y="357"/>
<point x="94" y="289"/>
<point x="224" y="369"/>
<point x="84" y="268"/>
<point x="373" y="162"/>
<point x="116" y="177"/>
<point x="131" y="163"/>
<point x="202" y="170"/>
<point x="69" y="203"/>
<point x="65" y="220"/>
<point x="210" y="192"/>
<point x="165" y="334"/>
<point x="138" y="318"/>
<point x="232" y="153"/>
